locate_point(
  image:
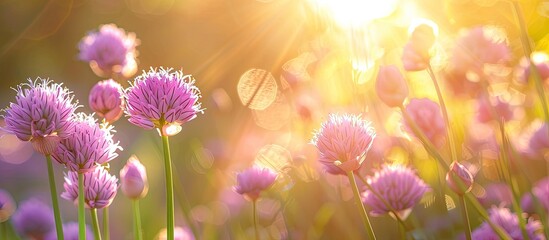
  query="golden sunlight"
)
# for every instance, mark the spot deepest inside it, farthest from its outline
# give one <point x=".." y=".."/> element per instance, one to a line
<point x="349" y="13"/>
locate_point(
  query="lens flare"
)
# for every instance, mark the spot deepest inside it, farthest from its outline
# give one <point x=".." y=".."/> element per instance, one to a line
<point x="349" y="13"/>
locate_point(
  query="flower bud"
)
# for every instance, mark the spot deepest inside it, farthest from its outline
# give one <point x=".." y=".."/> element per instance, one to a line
<point x="416" y="55"/>
<point x="106" y="100"/>
<point x="391" y="87"/>
<point x="458" y="172"/>
<point x="133" y="179"/>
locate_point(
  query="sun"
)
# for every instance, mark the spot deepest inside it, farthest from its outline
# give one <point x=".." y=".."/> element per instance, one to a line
<point x="352" y="13"/>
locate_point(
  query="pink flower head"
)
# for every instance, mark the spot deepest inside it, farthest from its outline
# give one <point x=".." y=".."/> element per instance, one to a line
<point x="162" y="99"/>
<point x="400" y="188"/>
<point x="70" y="232"/>
<point x="541" y="192"/>
<point x="99" y="188"/>
<point x="478" y="47"/>
<point x="106" y="100"/>
<point x="509" y="222"/>
<point x="391" y="87"/>
<point x="496" y="194"/>
<point x="33" y="219"/>
<point x="416" y="55"/>
<point x="540" y="60"/>
<point x="180" y="233"/>
<point x="7" y="206"/>
<point x="343" y="142"/>
<point x="42" y="114"/>
<point x="110" y="51"/>
<point x="538" y="144"/>
<point x="462" y="174"/>
<point x="252" y="181"/>
<point x="427" y="116"/>
<point x="133" y="179"/>
<point x="502" y="109"/>
<point x="88" y="147"/>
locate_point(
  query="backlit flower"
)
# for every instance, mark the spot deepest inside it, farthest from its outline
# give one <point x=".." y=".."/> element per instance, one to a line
<point x="110" y="51"/>
<point x="33" y="219"/>
<point x="541" y="192"/>
<point x="398" y="186"/>
<point x="391" y="87"/>
<point x="7" y="206"/>
<point x="162" y="99"/>
<point x="416" y="55"/>
<point x="42" y="114"/>
<point x="252" y="181"/>
<point x="427" y="116"/>
<point x="509" y="222"/>
<point x="538" y="144"/>
<point x="70" y="232"/>
<point x="343" y="142"/>
<point x="180" y="233"/>
<point x="457" y="175"/>
<point x="486" y="109"/>
<point x="540" y="60"/>
<point x="99" y="188"/>
<point x="133" y="179"/>
<point x="88" y="147"/>
<point x="106" y="100"/>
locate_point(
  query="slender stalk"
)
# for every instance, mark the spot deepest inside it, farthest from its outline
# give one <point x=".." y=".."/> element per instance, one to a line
<point x="402" y="231"/>
<point x="106" y="230"/>
<point x="54" y="202"/>
<point x="362" y="211"/>
<point x="465" y="215"/>
<point x="81" y="216"/>
<point x="95" y="223"/>
<point x="256" y="230"/>
<point x="4" y="229"/>
<point x="137" y="230"/>
<point x="449" y="133"/>
<point x="169" y="188"/>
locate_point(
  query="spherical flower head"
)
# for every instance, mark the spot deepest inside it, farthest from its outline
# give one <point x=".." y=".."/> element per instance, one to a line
<point x="133" y="179"/>
<point x="485" y="107"/>
<point x="252" y="181"/>
<point x="33" y="219"/>
<point x="538" y="144"/>
<point x="391" y="87"/>
<point x="416" y="55"/>
<point x="106" y="99"/>
<point x="89" y="146"/>
<point x="480" y="46"/>
<point x="400" y="188"/>
<point x="427" y="116"/>
<point x="459" y="178"/>
<point x="110" y="51"/>
<point x="509" y="222"/>
<point x="180" y="233"/>
<point x="99" y="188"/>
<point x="343" y="142"/>
<point x="42" y="114"/>
<point x="70" y="232"/>
<point x="7" y="206"/>
<point x="541" y="192"/>
<point x="540" y="61"/>
<point x="496" y="194"/>
<point x="162" y="99"/>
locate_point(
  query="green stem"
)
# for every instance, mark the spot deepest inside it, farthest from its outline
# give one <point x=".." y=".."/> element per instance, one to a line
<point x="54" y="202"/>
<point x="81" y="216"/>
<point x="256" y="230"/>
<point x="95" y="223"/>
<point x="106" y="231"/>
<point x="402" y="231"/>
<point x="362" y="211"/>
<point x="138" y="235"/>
<point x="169" y="188"/>
<point x="449" y="133"/>
<point x="4" y="229"/>
<point x="465" y="215"/>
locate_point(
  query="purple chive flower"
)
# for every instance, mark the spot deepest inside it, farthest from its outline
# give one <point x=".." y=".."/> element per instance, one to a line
<point x="541" y="192"/>
<point x="99" y="188"/>
<point x="540" y="60"/>
<point x="400" y="188"/>
<point x="133" y="179"/>
<point x="33" y="219"/>
<point x="42" y="114"/>
<point x="252" y="181"/>
<point x="509" y="222"/>
<point x="538" y="144"/>
<point x="88" y="147"/>
<point x="110" y="51"/>
<point x="427" y="116"/>
<point x="343" y="142"/>
<point x="180" y="233"/>
<point x="502" y="109"/>
<point x="107" y="101"/>
<point x="391" y="87"/>
<point x="70" y="232"/>
<point x="162" y="99"/>
<point x="462" y="174"/>
<point x="7" y="206"/>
